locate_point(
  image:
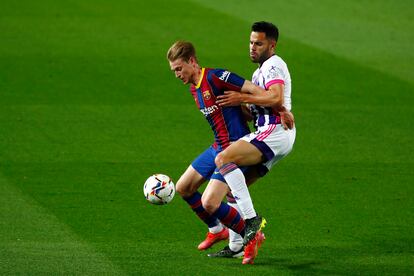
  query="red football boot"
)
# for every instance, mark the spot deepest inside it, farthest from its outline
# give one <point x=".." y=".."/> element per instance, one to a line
<point x="252" y="248"/>
<point x="214" y="238"/>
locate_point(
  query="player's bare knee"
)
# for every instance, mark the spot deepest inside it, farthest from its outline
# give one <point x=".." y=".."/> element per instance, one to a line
<point x="209" y="205"/>
<point x="183" y="189"/>
<point x="223" y="158"/>
<point x="220" y="159"/>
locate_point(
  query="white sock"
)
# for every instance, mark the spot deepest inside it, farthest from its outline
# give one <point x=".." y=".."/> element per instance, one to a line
<point x="237" y="183"/>
<point x="216" y="229"/>
<point x="235" y="240"/>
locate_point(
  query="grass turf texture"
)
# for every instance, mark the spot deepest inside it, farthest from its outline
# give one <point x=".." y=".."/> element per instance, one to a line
<point x="83" y="84"/>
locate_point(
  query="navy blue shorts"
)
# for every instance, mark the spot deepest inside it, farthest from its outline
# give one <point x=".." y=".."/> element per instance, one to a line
<point x="204" y="165"/>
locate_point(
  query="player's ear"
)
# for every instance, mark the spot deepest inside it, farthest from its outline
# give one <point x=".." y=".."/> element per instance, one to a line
<point x="273" y="44"/>
<point x="191" y="60"/>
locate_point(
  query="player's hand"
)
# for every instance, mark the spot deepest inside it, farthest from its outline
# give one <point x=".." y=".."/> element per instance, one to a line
<point x="287" y="118"/>
<point x="230" y="98"/>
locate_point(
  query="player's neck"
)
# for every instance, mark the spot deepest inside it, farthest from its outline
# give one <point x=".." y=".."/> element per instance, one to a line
<point x="261" y="63"/>
<point x="197" y="75"/>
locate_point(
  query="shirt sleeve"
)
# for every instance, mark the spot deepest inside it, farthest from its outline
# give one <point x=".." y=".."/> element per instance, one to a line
<point x="273" y="74"/>
<point x="226" y="80"/>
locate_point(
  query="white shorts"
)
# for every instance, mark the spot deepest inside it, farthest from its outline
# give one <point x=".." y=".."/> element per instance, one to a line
<point x="273" y="141"/>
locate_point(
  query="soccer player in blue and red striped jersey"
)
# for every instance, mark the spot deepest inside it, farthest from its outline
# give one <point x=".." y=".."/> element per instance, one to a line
<point x="228" y="125"/>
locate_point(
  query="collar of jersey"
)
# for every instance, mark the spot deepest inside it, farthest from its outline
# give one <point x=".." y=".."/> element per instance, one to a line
<point x="260" y="66"/>
<point x="201" y="78"/>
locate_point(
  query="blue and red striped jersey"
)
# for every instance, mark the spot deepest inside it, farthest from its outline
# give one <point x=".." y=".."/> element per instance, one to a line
<point x="227" y="123"/>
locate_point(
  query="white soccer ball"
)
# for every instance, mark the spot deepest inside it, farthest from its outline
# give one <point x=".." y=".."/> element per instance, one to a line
<point x="159" y="189"/>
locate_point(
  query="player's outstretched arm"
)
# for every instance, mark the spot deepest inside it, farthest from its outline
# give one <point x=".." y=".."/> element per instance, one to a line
<point x="253" y="94"/>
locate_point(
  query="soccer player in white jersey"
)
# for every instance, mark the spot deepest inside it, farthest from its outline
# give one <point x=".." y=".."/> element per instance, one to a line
<point x="271" y="141"/>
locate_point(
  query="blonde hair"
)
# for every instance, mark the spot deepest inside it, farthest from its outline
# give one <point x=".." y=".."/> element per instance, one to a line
<point x="181" y="49"/>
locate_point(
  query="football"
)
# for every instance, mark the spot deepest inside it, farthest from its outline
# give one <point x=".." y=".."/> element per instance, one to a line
<point x="159" y="189"/>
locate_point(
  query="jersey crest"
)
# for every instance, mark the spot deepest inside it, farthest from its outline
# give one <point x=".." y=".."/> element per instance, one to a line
<point x="207" y="95"/>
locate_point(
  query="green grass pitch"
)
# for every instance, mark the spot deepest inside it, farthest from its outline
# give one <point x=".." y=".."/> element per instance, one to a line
<point x="89" y="109"/>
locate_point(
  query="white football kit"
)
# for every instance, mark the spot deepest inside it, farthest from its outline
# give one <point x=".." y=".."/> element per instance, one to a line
<point x="270" y="137"/>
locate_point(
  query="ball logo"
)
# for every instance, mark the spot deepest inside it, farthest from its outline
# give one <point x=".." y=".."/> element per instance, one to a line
<point x="207" y="95"/>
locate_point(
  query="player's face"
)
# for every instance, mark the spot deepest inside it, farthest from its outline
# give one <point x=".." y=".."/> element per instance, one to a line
<point x="183" y="70"/>
<point x="261" y="48"/>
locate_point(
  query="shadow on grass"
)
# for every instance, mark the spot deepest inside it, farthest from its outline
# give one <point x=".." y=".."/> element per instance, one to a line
<point x="374" y="258"/>
<point x="292" y="264"/>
